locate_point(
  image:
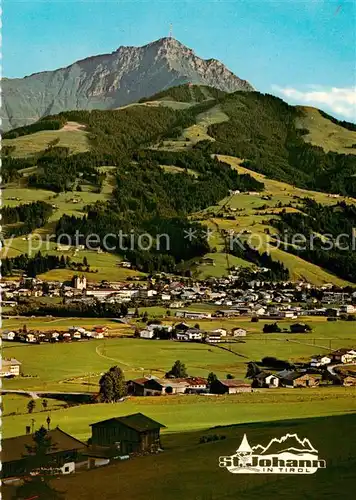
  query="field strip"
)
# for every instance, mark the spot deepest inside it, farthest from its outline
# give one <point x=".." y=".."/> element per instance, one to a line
<point x="132" y="367"/>
<point x="306" y="343"/>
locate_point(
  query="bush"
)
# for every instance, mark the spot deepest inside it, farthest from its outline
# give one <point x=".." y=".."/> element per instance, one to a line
<point x="211" y="437"/>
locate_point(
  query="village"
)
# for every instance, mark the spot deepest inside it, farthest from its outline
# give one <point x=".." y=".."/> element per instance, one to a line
<point x="216" y="314"/>
<point x="256" y="298"/>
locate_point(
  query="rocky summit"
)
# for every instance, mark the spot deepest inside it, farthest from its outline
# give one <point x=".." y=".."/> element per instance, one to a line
<point x="112" y="80"/>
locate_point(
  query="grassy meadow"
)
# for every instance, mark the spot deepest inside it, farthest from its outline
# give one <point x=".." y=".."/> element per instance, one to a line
<point x="71" y="136"/>
<point x="79" y="363"/>
<point x="252" y="213"/>
<point x="325" y="133"/>
<point x="190" y="470"/>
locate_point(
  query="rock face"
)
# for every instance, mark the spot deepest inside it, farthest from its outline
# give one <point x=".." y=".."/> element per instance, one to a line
<point x="111" y="80"/>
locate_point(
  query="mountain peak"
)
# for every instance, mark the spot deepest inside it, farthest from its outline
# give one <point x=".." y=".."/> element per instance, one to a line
<point x="109" y="81"/>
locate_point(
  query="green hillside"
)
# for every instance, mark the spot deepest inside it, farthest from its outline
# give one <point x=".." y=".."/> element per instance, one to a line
<point x="148" y="166"/>
<point x="325" y="133"/>
<point x="263" y="130"/>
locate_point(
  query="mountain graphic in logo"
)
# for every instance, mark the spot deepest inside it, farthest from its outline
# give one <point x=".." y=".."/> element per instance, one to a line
<point x="286" y="455"/>
<point x="288" y="443"/>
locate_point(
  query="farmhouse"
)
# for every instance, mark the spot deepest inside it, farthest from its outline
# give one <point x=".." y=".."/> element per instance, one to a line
<point x="231" y="387"/>
<point x="134" y="433"/>
<point x="320" y="360"/>
<point x="66" y="452"/>
<point x="147" y="334"/>
<point x="265" y="379"/>
<point x="349" y="381"/>
<point x="219" y="331"/>
<point x="8" y="336"/>
<point x="238" y="332"/>
<point x="10" y="368"/>
<point x="228" y="313"/>
<point x="192" y="315"/>
<point x="136" y="387"/>
<point x="343" y="356"/>
<point x="194" y="384"/>
<point x="296" y="379"/>
<point x="156" y="386"/>
<point x="191" y="335"/>
<point x="100" y="293"/>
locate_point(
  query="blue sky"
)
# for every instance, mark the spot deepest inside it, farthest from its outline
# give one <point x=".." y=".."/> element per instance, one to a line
<point x="304" y="51"/>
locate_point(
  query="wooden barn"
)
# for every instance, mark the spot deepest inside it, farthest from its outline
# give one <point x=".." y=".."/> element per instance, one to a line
<point x="134" y="433"/>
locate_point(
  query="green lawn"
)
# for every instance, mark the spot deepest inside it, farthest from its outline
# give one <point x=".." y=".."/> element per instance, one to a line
<point x="248" y="216"/>
<point x="183" y="413"/>
<point x="73" y="138"/>
<point x="190" y="471"/>
<point x="138" y="357"/>
<point x="326" y="134"/>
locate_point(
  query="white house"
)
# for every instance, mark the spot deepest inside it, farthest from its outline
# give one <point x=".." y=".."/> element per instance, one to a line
<point x="213" y="338"/>
<point x="147" y="334"/>
<point x="158" y="326"/>
<point x="219" y="331"/>
<point x="272" y="380"/>
<point x="344" y="356"/>
<point x="320" y="361"/>
<point x="10" y="367"/>
<point x="239" y="332"/>
<point x="29" y="337"/>
<point x="8" y="335"/>
<point x="347" y="308"/>
<point x="193" y="334"/>
<point x="193" y="315"/>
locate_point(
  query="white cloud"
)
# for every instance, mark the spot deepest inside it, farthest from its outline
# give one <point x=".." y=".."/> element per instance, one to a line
<point x="341" y="101"/>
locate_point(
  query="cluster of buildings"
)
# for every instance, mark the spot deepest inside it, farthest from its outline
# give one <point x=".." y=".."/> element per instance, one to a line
<point x="340" y="356"/>
<point x="154" y="386"/>
<point x="321" y="368"/>
<point x="113" y="439"/>
<point x="260" y="299"/>
<point x="185" y="333"/>
<point x="73" y="333"/>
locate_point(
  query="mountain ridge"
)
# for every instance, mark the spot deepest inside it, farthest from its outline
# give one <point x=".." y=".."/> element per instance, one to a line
<point x="108" y="81"/>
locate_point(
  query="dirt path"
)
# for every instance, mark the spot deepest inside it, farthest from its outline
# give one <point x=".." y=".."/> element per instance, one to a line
<point x="131" y="367"/>
<point x="72" y="126"/>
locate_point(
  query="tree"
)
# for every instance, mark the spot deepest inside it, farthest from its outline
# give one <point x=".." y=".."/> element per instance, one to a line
<point x="44" y="404"/>
<point x="213" y="382"/>
<point x="39" y="459"/>
<point x="38" y="454"/>
<point x="229" y="376"/>
<point x="271" y="328"/>
<point x="252" y="370"/>
<point x="212" y="378"/>
<point x="31" y="405"/>
<point x="112" y="385"/>
<point x="178" y="370"/>
<point x="85" y="261"/>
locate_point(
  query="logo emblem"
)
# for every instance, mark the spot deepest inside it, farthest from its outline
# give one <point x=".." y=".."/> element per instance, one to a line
<point x="285" y="455"/>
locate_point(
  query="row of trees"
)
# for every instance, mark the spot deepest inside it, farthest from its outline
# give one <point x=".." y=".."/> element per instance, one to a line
<point x="31" y="215"/>
<point x="94" y="309"/>
<point x="39" y="264"/>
